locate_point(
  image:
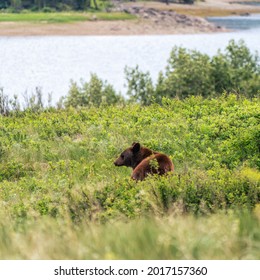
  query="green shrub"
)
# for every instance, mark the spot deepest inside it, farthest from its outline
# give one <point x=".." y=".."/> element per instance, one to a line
<point x="236" y="70"/>
<point x="188" y="73"/>
<point x="196" y="192"/>
<point x="140" y="86"/>
<point x="95" y="92"/>
<point x="13" y="171"/>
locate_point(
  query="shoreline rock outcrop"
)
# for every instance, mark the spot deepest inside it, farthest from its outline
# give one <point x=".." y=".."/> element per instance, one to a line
<point x="170" y="18"/>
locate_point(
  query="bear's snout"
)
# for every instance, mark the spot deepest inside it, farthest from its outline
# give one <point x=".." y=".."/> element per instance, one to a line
<point x="116" y="163"/>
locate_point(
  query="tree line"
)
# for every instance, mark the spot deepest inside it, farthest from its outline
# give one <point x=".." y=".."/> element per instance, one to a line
<point x="187" y="73"/>
<point x="63" y="5"/>
<point x="35" y="5"/>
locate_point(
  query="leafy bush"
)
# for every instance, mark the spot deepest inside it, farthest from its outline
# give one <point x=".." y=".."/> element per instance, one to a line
<point x="95" y="92"/>
<point x="140" y="86"/>
<point x="13" y="171"/>
<point x="188" y="73"/>
<point x="199" y="192"/>
<point x="237" y="70"/>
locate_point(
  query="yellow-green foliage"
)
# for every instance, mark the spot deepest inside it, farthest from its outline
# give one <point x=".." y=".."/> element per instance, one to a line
<point x="56" y="170"/>
<point x="219" y="236"/>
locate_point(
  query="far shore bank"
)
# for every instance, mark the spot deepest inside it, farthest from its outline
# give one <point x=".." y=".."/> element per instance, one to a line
<point x="153" y="18"/>
<point x="98" y="28"/>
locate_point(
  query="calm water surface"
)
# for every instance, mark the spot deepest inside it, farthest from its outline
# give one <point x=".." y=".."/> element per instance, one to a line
<point x="51" y="62"/>
<point x="238" y="22"/>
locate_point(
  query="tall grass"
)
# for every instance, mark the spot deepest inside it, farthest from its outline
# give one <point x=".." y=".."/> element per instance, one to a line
<point x="219" y="236"/>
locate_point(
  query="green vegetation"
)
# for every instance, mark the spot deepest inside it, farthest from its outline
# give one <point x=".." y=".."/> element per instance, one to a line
<point x="51" y="5"/>
<point x="220" y="236"/>
<point x="64" y="5"/>
<point x="59" y="187"/>
<point x="43" y="17"/>
<point x="190" y="72"/>
<point x="95" y="92"/>
<point x="57" y="169"/>
<point x="63" y="17"/>
<point x="59" y="11"/>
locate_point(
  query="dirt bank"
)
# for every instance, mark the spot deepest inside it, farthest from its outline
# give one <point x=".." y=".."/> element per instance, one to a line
<point x="179" y="24"/>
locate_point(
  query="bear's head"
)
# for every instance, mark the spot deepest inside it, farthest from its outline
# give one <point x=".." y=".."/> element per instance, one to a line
<point x="130" y="156"/>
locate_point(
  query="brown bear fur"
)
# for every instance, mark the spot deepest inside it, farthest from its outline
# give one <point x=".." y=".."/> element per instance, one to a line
<point x="144" y="161"/>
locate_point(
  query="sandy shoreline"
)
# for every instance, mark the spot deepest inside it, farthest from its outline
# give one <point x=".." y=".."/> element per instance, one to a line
<point x="98" y="28"/>
<point x="140" y="26"/>
<point x="134" y="27"/>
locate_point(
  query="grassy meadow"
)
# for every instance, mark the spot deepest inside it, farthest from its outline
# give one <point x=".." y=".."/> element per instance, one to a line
<point x="62" y="197"/>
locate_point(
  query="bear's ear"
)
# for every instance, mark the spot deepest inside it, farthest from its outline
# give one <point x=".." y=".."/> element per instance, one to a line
<point x="136" y="147"/>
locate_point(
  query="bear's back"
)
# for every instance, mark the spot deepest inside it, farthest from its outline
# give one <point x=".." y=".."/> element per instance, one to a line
<point x="157" y="163"/>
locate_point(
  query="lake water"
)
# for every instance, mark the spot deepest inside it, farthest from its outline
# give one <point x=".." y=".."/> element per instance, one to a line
<point x="51" y="62"/>
<point x="248" y="3"/>
<point x="237" y="22"/>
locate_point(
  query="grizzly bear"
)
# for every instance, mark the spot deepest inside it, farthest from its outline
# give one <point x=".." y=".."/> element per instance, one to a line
<point x="144" y="161"/>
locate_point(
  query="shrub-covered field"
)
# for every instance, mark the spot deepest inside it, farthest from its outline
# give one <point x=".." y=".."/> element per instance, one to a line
<point x="61" y="196"/>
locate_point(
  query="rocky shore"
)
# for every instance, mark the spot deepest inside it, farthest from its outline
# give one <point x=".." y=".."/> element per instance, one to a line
<point x="172" y="19"/>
